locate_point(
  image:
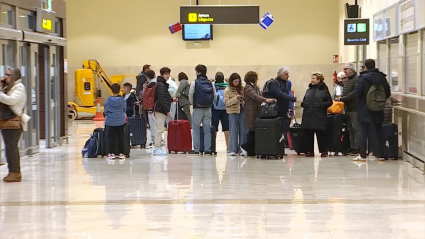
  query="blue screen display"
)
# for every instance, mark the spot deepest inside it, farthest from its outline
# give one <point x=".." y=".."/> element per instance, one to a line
<point x="197" y="32"/>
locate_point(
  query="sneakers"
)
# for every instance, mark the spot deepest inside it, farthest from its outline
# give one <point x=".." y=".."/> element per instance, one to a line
<point x="150" y="146"/>
<point x="359" y="158"/>
<point x="122" y="156"/>
<point x="111" y="156"/>
<point x="244" y="153"/>
<point x="193" y="152"/>
<point x="354" y="152"/>
<point x="209" y="153"/>
<point x="159" y="152"/>
<point x="232" y="154"/>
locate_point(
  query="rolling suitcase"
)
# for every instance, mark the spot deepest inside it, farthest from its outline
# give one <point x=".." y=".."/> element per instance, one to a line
<point x="337" y="133"/>
<point x="297" y="139"/>
<point x="179" y="138"/>
<point x="269" y="140"/>
<point x="126" y="141"/>
<point x="213" y="140"/>
<point x="390" y="134"/>
<point x="137" y="127"/>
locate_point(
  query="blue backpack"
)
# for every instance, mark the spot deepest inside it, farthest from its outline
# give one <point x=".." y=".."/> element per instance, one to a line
<point x="219" y="103"/>
<point x="90" y="148"/>
<point x="204" y="93"/>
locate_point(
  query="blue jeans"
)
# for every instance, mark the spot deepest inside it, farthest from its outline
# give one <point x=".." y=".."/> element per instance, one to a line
<point x="201" y="115"/>
<point x="237" y="131"/>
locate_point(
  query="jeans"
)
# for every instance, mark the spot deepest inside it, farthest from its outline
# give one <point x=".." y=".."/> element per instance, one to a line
<point x="201" y="116"/>
<point x="237" y="131"/>
<point x="116" y="138"/>
<point x="353" y="130"/>
<point x="11" y="139"/>
<point x="364" y="137"/>
<point x="184" y="113"/>
<point x="152" y="126"/>
<point x="160" y="120"/>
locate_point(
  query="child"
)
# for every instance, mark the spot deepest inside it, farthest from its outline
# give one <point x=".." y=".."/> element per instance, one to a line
<point x="130" y="98"/>
<point x="115" y="107"/>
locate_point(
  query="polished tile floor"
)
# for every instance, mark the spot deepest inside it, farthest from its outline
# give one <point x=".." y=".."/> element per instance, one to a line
<point x="66" y="196"/>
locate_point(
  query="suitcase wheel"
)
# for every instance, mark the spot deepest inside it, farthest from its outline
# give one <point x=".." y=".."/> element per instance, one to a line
<point x="143" y="146"/>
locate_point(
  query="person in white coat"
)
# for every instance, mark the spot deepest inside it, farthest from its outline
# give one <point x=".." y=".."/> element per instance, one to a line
<point x="12" y="106"/>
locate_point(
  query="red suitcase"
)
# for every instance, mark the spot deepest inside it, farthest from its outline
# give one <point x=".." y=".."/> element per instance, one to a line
<point x="179" y="137"/>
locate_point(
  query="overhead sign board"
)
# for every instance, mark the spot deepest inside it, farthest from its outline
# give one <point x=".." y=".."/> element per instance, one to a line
<point x="220" y="15"/>
<point x="356" y="31"/>
<point x="45" y="21"/>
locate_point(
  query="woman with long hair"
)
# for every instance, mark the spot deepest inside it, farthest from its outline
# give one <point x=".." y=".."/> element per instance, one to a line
<point x="233" y="98"/>
<point x="13" y="120"/>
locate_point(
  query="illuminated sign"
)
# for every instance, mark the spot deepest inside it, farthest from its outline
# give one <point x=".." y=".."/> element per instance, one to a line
<point x="47" y="24"/>
<point x="356" y="31"/>
<point x="220" y="14"/>
<point x="45" y="21"/>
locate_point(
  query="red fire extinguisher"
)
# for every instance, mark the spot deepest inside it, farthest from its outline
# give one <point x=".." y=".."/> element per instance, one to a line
<point x="335" y="77"/>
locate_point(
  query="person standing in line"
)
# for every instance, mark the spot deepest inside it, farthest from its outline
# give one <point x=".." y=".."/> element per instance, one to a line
<point x="161" y="110"/>
<point x="316" y="102"/>
<point x="233" y="99"/>
<point x="151" y="77"/>
<point x="338" y="86"/>
<point x="368" y="117"/>
<point x="115" y="107"/>
<point x="201" y="95"/>
<point x="172" y="89"/>
<point x="253" y="100"/>
<point x="280" y="91"/>
<point x="182" y="95"/>
<point x="349" y="98"/>
<point x="12" y="105"/>
<point x="219" y="114"/>
<point x="130" y="99"/>
<point x="141" y="79"/>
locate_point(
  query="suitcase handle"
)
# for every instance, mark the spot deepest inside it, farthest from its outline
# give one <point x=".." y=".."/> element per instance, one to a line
<point x="140" y="109"/>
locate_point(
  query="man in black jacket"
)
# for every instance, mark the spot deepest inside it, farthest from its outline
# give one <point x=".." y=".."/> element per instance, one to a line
<point x="366" y="117"/>
<point x="279" y="90"/>
<point x="130" y="98"/>
<point x="349" y="99"/>
<point x="141" y="79"/>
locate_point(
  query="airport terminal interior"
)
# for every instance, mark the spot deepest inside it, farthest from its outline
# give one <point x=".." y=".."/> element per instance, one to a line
<point x="71" y="52"/>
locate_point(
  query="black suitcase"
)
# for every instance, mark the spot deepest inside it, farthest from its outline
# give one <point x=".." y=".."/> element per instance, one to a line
<point x="213" y="140"/>
<point x="99" y="134"/>
<point x="269" y="140"/>
<point x="390" y="134"/>
<point x="126" y="141"/>
<point x="137" y="127"/>
<point x="337" y="133"/>
<point x="297" y="139"/>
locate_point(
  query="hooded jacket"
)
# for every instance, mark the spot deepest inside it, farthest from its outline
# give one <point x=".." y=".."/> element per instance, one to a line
<point x="316" y="102"/>
<point x="365" y="81"/>
<point x="141" y="80"/>
<point x="130" y="101"/>
<point x="115" y="107"/>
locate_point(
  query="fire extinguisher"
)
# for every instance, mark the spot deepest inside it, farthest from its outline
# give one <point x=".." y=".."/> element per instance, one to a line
<point x="335" y="77"/>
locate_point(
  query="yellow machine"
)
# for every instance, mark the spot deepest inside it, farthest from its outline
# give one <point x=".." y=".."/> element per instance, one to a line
<point x="87" y="89"/>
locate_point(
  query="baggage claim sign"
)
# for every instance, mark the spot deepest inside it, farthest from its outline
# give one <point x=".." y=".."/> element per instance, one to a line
<point x="356" y="31"/>
<point x="220" y="15"/>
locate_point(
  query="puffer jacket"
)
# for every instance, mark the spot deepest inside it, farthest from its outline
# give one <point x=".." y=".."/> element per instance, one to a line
<point x="348" y="95"/>
<point x="316" y="102"/>
<point x="162" y="97"/>
<point x="280" y="91"/>
<point x="233" y="104"/>
<point x="253" y="100"/>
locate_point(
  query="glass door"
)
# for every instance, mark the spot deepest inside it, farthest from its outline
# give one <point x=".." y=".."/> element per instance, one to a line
<point x="28" y="60"/>
<point x="52" y="96"/>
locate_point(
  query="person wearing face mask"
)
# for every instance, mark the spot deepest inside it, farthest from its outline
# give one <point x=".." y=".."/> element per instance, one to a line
<point x="338" y="86"/>
<point x="13" y="120"/>
<point x="316" y="101"/>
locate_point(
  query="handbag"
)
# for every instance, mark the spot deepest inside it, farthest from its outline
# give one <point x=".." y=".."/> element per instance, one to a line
<point x="336" y="108"/>
<point x="13" y="123"/>
<point x="268" y="110"/>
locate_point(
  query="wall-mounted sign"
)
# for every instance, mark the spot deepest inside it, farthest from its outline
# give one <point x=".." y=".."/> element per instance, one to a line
<point x="356" y="31"/>
<point x="407" y="16"/>
<point x="220" y="15"/>
<point x="45" y="21"/>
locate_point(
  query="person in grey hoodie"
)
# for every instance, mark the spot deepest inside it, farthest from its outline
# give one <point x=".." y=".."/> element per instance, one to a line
<point x="114" y="108"/>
